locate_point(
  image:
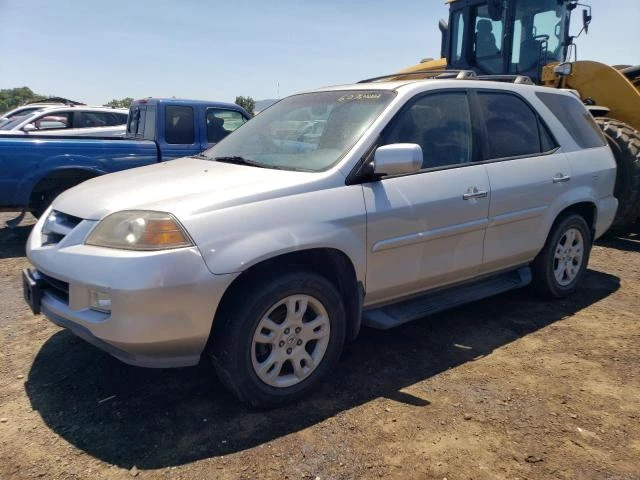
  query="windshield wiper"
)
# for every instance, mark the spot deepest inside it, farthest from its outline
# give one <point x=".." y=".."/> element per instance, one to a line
<point x="200" y="155"/>
<point x="238" y="160"/>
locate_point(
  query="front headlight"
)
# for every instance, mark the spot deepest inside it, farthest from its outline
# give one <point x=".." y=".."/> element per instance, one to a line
<point x="139" y="230"/>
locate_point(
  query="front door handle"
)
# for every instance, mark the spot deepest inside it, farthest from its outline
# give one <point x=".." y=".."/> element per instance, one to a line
<point x="561" y="178"/>
<point x="473" y="192"/>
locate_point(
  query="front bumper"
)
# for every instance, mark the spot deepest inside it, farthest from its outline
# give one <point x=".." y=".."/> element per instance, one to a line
<point x="162" y="303"/>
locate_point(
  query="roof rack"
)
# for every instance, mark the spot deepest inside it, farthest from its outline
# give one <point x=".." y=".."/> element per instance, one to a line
<point x="457" y="74"/>
<point x="453" y="74"/>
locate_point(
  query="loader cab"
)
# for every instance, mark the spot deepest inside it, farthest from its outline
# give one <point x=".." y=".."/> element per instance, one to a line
<point x="515" y="37"/>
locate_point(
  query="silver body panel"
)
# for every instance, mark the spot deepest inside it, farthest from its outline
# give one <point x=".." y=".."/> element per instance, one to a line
<point x="403" y="235"/>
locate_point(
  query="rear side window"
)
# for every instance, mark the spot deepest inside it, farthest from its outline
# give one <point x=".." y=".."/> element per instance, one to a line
<point x="575" y="118"/>
<point x="179" y="129"/>
<point x="512" y="126"/>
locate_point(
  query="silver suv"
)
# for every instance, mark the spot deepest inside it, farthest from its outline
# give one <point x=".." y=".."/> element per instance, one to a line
<point x="270" y="250"/>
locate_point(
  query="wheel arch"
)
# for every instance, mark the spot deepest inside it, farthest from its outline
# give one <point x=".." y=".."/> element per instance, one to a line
<point x="67" y="177"/>
<point x="331" y="263"/>
<point x="586" y="209"/>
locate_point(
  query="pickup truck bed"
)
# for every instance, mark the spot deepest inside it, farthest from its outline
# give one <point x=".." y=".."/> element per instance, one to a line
<point x="31" y="168"/>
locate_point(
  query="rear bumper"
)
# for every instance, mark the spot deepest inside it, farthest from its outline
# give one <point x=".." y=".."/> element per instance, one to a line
<point x="607" y="208"/>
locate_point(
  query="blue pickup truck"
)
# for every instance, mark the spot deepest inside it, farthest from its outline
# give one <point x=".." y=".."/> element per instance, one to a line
<point x="36" y="169"/>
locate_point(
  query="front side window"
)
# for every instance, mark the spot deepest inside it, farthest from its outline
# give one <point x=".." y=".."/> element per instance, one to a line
<point x="179" y="128"/>
<point x="221" y="123"/>
<point x="488" y="41"/>
<point x="54" y="121"/>
<point x="511" y="125"/>
<point x="441" y="124"/>
<point x="309" y="132"/>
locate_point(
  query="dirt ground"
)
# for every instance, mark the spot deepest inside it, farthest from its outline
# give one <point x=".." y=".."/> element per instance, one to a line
<point x="512" y="387"/>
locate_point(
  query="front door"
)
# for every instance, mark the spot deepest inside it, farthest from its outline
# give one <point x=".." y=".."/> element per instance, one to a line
<point x="427" y="229"/>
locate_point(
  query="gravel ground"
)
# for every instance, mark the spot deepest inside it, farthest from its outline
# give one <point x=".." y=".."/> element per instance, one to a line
<point x="509" y="387"/>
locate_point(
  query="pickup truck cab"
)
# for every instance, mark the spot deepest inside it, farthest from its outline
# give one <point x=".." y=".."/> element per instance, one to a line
<point x="268" y="251"/>
<point x="34" y="169"/>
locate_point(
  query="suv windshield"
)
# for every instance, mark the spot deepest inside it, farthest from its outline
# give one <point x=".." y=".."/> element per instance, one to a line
<point x="309" y="132"/>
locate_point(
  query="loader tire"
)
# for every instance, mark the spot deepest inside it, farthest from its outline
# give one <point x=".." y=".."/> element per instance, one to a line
<point x="625" y="144"/>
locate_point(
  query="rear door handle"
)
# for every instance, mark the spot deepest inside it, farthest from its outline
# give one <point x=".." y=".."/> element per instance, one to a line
<point x="561" y="178"/>
<point x="473" y="192"/>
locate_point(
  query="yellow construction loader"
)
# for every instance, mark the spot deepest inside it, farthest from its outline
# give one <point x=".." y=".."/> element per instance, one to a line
<point x="532" y="38"/>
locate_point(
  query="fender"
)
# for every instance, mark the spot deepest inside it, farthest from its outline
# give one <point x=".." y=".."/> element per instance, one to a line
<point x="249" y="234"/>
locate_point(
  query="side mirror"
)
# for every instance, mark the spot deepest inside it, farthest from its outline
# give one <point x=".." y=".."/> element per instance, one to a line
<point x="397" y="159"/>
<point x="29" y="127"/>
<point x="586" y="19"/>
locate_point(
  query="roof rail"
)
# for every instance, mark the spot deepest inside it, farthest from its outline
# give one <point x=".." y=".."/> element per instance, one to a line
<point x="519" y="79"/>
<point x="454" y="74"/>
<point x="457" y="74"/>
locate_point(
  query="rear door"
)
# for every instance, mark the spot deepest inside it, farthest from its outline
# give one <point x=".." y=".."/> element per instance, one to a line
<point x="427" y="229"/>
<point x="527" y="172"/>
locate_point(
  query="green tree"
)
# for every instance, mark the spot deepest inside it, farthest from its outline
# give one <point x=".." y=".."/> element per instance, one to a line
<point x="122" y="103"/>
<point x="11" y="98"/>
<point x="248" y="103"/>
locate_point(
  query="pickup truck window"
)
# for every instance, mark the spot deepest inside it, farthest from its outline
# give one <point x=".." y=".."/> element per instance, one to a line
<point x="512" y="126"/>
<point x="221" y="123"/>
<point x="440" y="123"/>
<point x="179" y="128"/>
<point x="309" y="132"/>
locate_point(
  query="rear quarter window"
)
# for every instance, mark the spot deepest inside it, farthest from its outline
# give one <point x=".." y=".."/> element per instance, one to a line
<point x="575" y="118"/>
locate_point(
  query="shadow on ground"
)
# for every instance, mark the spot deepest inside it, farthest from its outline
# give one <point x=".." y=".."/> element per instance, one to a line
<point x="14" y="238"/>
<point x="628" y="241"/>
<point x="158" y="418"/>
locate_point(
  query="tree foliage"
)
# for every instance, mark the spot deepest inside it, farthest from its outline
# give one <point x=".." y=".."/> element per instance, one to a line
<point x="122" y="103"/>
<point x="11" y="98"/>
<point x="248" y="103"/>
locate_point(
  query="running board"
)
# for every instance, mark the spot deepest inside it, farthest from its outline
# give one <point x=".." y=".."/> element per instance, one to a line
<point x="396" y="314"/>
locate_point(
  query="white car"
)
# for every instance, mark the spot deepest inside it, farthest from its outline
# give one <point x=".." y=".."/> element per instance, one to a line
<point x="69" y="120"/>
<point x="267" y="253"/>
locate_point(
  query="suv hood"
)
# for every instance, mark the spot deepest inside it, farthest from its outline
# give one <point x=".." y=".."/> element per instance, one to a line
<point x="182" y="187"/>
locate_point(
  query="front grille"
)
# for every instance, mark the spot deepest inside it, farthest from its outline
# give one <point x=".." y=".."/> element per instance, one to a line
<point x="57" y="226"/>
<point x="56" y="287"/>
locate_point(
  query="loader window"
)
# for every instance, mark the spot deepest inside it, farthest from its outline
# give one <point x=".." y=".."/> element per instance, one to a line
<point x="457" y="36"/>
<point x="488" y="41"/>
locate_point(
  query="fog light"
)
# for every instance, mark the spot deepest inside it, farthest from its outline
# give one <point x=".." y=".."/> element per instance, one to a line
<point x="100" y="301"/>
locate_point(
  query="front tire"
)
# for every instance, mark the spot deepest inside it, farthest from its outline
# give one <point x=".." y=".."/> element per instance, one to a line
<point x="276" y="340"/>
<point x="560" y="266"/>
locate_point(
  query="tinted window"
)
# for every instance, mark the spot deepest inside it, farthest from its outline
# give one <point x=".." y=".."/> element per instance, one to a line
<point x="512" y="126"/>
<point x="179" y="125"/>
<point x="54" y="121"/>
<point x="575" y="118"/>
<point x="440" y="124"/>
<point x="136" y="123"/>
<point x="221" y="123"/>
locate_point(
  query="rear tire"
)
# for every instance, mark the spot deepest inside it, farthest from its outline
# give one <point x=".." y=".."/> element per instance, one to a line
<point x="277" y="339"/>
<point x="625" y="144"/>
<point x="559" y="267"/>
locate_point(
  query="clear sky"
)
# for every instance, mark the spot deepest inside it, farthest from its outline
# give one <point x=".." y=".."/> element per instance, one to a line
<point x="96" y="50"/>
